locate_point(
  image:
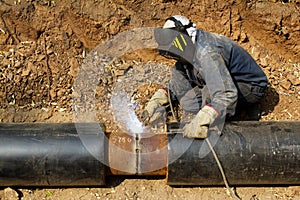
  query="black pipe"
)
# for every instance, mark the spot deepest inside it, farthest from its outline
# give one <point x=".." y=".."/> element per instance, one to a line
<point x="251" y="153"/>
<point x="38" y="154"/>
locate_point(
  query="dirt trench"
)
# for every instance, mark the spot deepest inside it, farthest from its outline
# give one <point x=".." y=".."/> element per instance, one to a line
<point x="44" y="43"/>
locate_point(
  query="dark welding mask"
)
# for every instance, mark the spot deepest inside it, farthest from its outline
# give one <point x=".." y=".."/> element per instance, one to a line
<point x="174" y="44"/>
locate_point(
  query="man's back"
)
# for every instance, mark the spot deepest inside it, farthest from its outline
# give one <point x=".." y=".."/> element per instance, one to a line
<point x="238" y="61"/>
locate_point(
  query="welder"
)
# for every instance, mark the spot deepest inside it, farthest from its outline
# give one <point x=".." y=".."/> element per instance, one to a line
<point x="214" y="78"/>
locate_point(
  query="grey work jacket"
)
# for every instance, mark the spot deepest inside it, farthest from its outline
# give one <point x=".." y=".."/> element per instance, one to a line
<point x="221" y="62"/>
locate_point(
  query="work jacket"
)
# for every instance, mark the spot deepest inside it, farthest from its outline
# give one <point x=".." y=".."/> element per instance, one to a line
<point x="221" y="63"/>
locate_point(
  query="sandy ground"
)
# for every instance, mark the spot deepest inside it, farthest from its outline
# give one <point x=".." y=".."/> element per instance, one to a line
<point x="44" y="43"/>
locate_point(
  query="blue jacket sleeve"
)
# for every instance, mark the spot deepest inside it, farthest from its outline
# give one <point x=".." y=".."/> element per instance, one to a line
<point x="222" y="90"/>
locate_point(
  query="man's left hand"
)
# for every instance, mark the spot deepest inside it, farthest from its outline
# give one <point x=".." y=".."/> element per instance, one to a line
<point x="198" y="127"/>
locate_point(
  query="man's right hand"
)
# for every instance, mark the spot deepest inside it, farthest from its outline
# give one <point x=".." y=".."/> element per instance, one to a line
<point x="151" y="110"/>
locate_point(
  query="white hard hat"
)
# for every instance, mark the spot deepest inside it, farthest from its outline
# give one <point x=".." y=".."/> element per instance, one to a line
<point x="182" y="24"/>
<point x="176" y="21"/>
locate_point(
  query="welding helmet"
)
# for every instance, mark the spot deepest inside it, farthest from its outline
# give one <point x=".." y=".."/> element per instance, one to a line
<point x="174" y="44"/>
<point x="177" y="38"/>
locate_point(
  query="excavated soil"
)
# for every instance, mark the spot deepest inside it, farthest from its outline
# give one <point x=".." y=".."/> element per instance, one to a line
<point x="44" y="43"/>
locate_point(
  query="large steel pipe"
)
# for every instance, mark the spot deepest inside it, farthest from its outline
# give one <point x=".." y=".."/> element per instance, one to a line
<point x="251" y="153"/>
<point x="38" y="154"/>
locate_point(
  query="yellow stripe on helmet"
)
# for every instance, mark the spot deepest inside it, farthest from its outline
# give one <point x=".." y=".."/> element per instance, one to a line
<point x="175" y="44"/>
<point x="182" y="38"/>
<point x="178" y="43"/>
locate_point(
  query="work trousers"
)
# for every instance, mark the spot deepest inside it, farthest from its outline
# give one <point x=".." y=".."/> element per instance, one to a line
<point x="193" y="94"/>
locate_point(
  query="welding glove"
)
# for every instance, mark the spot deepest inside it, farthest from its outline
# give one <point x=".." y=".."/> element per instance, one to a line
<point x="153" y="109"/>
<point x="198" y="127"/>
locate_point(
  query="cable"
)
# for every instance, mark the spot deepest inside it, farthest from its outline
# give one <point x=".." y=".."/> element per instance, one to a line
<point x="171" y="105"/>
<point x="233" y="195"/>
